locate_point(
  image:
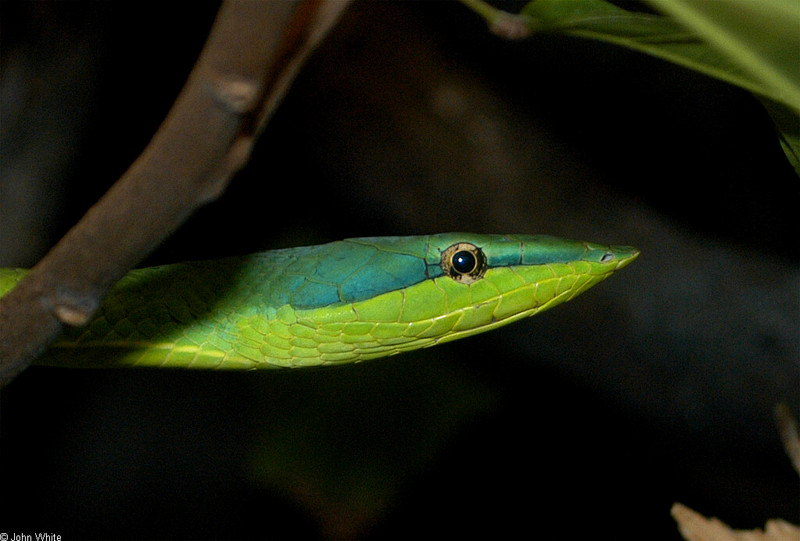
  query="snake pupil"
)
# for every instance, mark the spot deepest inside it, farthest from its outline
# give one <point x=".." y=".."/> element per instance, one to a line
<point x="464" y="262"/>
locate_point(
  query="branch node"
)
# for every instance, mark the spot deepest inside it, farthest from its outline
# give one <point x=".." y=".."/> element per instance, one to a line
<point x="237" y="95"/>
<point x="74" y="314"/>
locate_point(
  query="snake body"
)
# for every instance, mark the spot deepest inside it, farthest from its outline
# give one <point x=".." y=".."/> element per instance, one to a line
<point x="346" y="301"/>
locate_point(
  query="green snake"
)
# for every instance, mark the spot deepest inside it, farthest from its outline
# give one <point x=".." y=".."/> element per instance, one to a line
<point x="342" y="302"/>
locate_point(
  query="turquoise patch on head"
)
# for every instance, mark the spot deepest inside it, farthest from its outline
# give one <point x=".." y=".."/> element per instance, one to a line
<point x="349" y="272"/>
<point x="336" y="262"/>
<point x="386" y="272"/>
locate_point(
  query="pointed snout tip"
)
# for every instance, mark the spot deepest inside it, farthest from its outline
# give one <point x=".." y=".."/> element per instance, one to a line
<point x="625" y="255"/>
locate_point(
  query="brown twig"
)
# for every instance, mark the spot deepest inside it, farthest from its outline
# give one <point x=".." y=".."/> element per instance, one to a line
<point x="252" y="54"/>
<point x="695" y="527"/>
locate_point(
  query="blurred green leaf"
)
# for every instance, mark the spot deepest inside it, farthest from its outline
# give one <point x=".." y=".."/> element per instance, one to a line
<point x="342" y="443"/>
<point x="761" y="38"/>
<point x="651" y="34"/>
<point x="753" y="44"/>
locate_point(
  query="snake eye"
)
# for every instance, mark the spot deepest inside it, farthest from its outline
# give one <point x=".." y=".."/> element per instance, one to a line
<point x="464" y="262"/>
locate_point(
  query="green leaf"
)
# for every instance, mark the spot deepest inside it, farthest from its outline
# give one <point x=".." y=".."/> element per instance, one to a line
<point x="753" y="44"/>
<point x="655" y="35"/>
<point x="762" y="38"/>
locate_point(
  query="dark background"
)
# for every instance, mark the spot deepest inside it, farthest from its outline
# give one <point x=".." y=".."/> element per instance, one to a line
<point x="655" y="387"/>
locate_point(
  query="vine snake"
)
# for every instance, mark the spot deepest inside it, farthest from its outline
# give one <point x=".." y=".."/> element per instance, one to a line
<point x="342" y="302"/>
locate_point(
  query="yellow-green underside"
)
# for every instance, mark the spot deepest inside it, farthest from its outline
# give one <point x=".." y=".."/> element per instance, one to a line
<point x="434" y="311"/>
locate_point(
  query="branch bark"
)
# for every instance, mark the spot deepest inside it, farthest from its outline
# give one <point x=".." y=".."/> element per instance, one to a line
<point x="253" y="53"/>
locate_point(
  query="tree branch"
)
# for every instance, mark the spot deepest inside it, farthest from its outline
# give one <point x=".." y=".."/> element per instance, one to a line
<point x="252" y="54"/>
